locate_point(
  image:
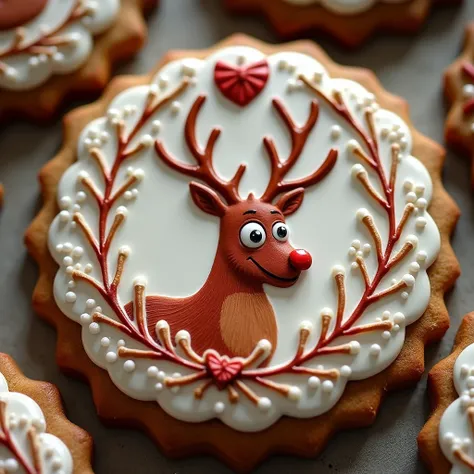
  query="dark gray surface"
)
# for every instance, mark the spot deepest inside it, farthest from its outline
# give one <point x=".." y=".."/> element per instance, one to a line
<point x="410" y="67"/>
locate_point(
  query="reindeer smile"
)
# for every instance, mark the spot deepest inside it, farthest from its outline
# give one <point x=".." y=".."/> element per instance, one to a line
<point x="270" y="274"/>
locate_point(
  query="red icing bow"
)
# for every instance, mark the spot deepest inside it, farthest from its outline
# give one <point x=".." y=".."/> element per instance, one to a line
<point x="223" y="369"/>
<point x="241" y="84"/>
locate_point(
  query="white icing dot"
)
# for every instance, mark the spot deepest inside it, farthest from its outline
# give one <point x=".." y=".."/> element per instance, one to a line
<point x="352" y="145"/>
<point x="175" y="107"/>
<point x="129" y="366"/>
<point x="386" y="335"/>
<point x="327" y="386"/>
<point x="182" y="335"/>
<point x="464" y="370"/>
<point x="67" y="261"/>
<point x="161" y="376"/>
<point x="65" y="202"/>
<point x="386" y="315"/>
<point x="420" y="223"/>
<point x="147" y="141"/>
<point x="398" y="318"/>
<point x="88" y="268"/>
<point x="219" y="408"/>
<point x="120" y="343"/>
<point x="335" y="132"/>
<point x="152" y="371"/>
<point x="265" y="345"/>
<point x="412" y="239"/>
<point x="85" y="318"/>
<point x="465" y="401"/>
<point x="346" y="371"/>
<point x="366" y="248"/>
<point x="449" y="437"/>
<point x="294" y="393"/>
<point x="470" y="382"/>
<point x="314" y="382"/>
<point x="414" y="267"/>
<point x="155" y="126"/>
<point x="421" y="256"/>
<point x="163" y="81"/>
<point x="94" y="328"/>
<point x="64" y="216"/>
<point x="420" y="189"/>
<point x="78" y="252"/>
<point x="375" y="350"/>
<point x="408" y="279"/>
<point x="392" y="136"/>
<point x="71" y="297"/>
<point x="404" y="295"/>
<point x="23" y="421"/>
<point x="358" y="170"/>
<point x="352" y="251"/>
<point x="56" y="464"/>
<point x="356" y="244"/>
<point x="111" y="357"/>
<point x="384" y="132"/>
<point x="396" y="328"/>
<point x="70" y="270"/>
<point x="158" y="387"/>
<point x="359" y="253"/>
<point x="121" y="210"/>
<point x="410" y="197"/>
<point x="421" y="203"/>
<point x="105" y="342"/>
<point x="354" y="266"/>
<point x="327" y="312"/>
<point x="355" y="347"/>
<point x="264" y="404"/>
<point x="90" y="303"/>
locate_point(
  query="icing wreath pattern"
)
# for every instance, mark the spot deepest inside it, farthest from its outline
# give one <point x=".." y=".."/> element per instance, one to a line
<point x="222" y="339"/>
<point x="57" y="40"/>
<point x="344" y="6"/>
<point x="24" y="445"/>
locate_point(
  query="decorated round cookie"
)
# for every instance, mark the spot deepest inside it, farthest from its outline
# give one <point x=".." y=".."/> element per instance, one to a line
<point x="242" y="234"/>
<point x="351" y="22"/>
<point x="27" y="442"/>
<point x="446" y="442"/>
<point x="41" y="39"/>
<point x="459" y="89"/>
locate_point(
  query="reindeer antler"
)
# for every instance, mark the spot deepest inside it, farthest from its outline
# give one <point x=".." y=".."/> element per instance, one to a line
<point x="299" y="136"/>
<point x="204" y="170"/>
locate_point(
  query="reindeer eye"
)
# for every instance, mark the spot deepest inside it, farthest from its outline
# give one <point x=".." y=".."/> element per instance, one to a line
<point x="280" y="231"/>
<point x="252" y="235"/>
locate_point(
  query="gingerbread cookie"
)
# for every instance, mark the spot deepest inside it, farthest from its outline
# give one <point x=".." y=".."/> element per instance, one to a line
<point x="351" y="22"/>
<point x="244" y="231"/>
<point x="50" y="49"/>
<point x="446" y="441"/>
<point x="35" y="436"/>
<point x="459" y="90"/>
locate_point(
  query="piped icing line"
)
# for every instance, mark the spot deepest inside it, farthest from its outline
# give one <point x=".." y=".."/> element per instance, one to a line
<point x="57" y="42"/>
<point x="24" y="445"/>
<point x="329" y="346"/>
<point x="456" y="429"/>
<point x="344" y="7"/>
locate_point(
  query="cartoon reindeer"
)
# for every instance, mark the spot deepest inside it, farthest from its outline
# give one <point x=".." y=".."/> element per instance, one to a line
<point x="231" y="312"/>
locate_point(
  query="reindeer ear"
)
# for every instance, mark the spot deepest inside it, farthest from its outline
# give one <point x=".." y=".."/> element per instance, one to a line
<point x="290" y="201"/>
<point x="207" y="200"/>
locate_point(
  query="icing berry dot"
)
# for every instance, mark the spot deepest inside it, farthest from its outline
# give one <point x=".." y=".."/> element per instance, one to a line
<point x="159" y="387"/>
<point x="375" y="350"/>
<point x="105" y="342"/>
<point x="314" y="382"/>
<point x="219" y="408"/>
<point x="346" y="371"/>
<point x="294" y="393"/>
<point x="70" y="297"/>
<point x="161" y="376"/>
<point x="152" y="371"/>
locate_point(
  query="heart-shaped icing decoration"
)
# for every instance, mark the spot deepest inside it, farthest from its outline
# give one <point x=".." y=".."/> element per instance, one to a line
<point x="14" y="13"/>
<point x="222" y="368"/>
<point x="241" y="84"/>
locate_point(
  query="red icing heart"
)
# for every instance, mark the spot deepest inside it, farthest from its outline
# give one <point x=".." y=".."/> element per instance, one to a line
<point x="222" y="368"/>
<point x="241" y="84"/>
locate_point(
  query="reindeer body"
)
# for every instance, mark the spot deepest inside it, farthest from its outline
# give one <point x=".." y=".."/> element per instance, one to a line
<point x="231" y="313"/>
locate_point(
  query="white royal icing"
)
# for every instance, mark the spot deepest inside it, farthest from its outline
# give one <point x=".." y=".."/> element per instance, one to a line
<point x="455" y="430"/>
<point x="28" y="70"/>
<point x="171" y="244"/>
<point x="346" y="7"/>
<point x="23" y="414"/>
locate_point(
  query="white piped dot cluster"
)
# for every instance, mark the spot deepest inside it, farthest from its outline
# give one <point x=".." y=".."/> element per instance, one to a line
<point x="415" y="195"/>
<point x="395" y="135"/>
<point x="358" y="250"/>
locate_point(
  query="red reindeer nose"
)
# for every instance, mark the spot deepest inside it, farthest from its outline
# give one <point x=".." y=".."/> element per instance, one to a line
<point x="300" y="259"/>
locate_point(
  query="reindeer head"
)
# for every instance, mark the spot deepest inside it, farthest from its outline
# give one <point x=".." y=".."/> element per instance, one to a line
<point x="253" y="234"/>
